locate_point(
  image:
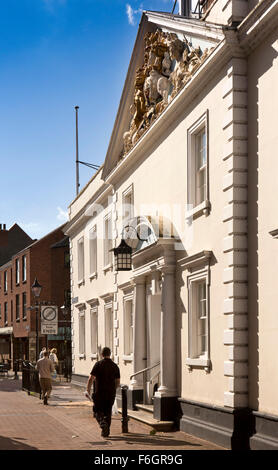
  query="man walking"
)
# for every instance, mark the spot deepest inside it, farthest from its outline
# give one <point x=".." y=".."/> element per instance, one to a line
<point x="45" y="368"/>
<point x="106" y="377"/>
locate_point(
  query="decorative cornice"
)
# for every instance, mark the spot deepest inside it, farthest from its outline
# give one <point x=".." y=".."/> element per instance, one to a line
<point x="203" y="257"/>
<point x="125" y="285"/>
<point x="93" y="302"/>
<point x="81" y="306"/>
<point x="260" y="22"/>
<point x="191" y="26"/>
<point x="274" y="233"/>
<point x="107" y="297"/>
<point x="82" y="216"/>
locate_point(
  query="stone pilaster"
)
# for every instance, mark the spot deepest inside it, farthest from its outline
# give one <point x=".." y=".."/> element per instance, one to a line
<point x="235" y="243"/>
<point x="168" y="374"/>
<point x="139" y="332"/>
<point x="115" y="287"/>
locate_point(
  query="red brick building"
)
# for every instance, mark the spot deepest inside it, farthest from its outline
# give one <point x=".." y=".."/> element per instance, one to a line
<point x="11" y="241"/>
<point x="46" y="259"/>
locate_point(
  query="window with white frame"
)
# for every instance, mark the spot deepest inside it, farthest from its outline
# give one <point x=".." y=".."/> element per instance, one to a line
<point x="81" y="259"/>
<point x="109" y="330"/>
<point x="107" y="241"/>
<point x="94" y="332"/>
<point x="93" y="250"/>
<point x="17" y="271"/>
<point x="6" y="313"/>
<point x="198" y="328"/>
<point x="197" y="165"/>
<point x="24" y="305"/>
<point x="23" y="268"/>
<point x="128" y="205"/>
<point x="82" y="333"/>
<point x="17" y="312"/>
<point x="5" y="281"/>
<point x="128" y="326"/>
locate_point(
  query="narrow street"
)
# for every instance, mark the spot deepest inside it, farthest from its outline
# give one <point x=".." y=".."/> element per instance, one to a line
<point x="67" y="424"/>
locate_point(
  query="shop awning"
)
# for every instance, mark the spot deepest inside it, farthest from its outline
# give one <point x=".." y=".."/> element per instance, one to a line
<point x="6" y="330"/>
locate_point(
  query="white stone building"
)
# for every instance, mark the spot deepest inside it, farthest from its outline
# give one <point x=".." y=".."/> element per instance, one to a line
<point x="193" y="153"/>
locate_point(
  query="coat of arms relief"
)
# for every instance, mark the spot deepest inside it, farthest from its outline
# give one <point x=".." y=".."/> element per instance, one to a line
<point x="169" y="63"/>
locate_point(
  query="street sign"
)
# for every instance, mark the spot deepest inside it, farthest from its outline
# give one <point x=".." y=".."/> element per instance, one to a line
<point x="47" y="329"/>
<point x="49" y="320"/>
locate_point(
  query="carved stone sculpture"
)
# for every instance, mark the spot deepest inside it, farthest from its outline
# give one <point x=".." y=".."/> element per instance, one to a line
<point x="168" y="64"/>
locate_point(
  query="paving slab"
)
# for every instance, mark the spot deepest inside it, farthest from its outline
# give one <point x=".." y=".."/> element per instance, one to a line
<point x="67" y="423"/>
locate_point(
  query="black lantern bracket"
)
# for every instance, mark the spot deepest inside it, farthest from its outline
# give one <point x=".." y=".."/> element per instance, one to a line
<point x="123" y="252"/>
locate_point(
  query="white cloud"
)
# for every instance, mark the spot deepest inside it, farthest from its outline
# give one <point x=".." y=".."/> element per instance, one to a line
<point x="62" y="215"/>
<point x="131" y="13"/>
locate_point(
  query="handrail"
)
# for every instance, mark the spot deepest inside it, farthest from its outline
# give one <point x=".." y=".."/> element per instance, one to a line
<point x="144" y="370"/>
<point x="156" y="374"/>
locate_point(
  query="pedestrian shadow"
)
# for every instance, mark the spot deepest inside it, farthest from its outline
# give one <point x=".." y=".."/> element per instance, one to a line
<point x="155" y="440"/>
<point x="6" y="443"/>
<point x="102" y="443"/>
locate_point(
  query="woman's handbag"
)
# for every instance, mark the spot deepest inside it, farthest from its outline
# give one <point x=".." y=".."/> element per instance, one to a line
<point x="115" y="408"/>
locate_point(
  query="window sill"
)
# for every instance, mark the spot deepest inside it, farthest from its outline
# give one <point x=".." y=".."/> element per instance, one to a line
<point x="81" y="283"/>
<point x="82" y="356"/>
<point x="108" y="268"/>
<point x="198" y="362"/>
<point x="17" y="320"/>
<point x="24" y="318"/>
<point x="24" y="281"/>
<point x="93" y="276"/>
<point x="201" y="209"/>
<point x="94" y="356"/>
<point x="128" y="358"/>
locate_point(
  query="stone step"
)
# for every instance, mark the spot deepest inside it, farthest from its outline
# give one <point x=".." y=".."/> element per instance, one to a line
<point x="141" y="406"/>
<point x="146" y="418"/>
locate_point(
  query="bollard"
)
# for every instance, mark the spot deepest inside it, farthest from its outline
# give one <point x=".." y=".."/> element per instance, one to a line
<point x="15" y="370"/>
<point x="124" y="409"/>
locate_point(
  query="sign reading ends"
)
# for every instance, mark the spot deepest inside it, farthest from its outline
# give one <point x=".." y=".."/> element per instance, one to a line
<point x="49" y="320"/>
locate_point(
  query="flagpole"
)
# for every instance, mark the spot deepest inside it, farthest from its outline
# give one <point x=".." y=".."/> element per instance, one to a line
<point x="77" y="158"/>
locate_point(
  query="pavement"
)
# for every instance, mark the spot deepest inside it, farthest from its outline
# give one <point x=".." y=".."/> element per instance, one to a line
<point x="67" y="423"/>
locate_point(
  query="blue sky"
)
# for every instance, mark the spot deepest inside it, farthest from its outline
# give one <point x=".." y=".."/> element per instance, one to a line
<point x="55" y="54"/>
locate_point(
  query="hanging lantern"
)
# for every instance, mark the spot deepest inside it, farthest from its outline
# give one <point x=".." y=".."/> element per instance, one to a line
<point x="123" y="257"/>
<point x="36" y="288"/>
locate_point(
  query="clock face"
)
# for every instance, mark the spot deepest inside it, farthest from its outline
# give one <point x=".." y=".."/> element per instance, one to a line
<point x="49" y="313"/>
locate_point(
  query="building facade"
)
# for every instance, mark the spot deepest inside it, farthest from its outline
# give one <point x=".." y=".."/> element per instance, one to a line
<point x="188" y="183"/>
<point x="46" y="259"/>
<point x="11" y="241"/>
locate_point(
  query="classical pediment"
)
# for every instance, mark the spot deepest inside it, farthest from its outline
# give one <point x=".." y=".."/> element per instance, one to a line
<point x="168" y="51"/>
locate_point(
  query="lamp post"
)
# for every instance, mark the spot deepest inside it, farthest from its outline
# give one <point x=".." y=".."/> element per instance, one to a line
<point x="67" y="350"/>
<point x="36" y="290"/>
